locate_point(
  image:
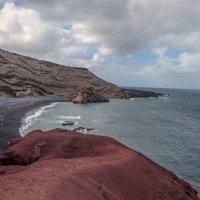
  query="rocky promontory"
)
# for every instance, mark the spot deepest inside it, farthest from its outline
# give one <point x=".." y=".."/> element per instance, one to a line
<point x="67" y="165"/>
<point x="22" y="76"/>
<point x="89" y="95"/>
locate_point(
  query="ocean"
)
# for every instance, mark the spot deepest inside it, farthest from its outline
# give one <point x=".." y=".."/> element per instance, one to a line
<point x="165" y="129"/>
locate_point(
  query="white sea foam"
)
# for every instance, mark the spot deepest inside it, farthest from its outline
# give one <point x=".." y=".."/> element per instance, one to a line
<point x="30" y="119"/>
<point x="85" y="131"/>
<point x="164" y="97"/>
<point x="70" y="117"/>
<point x="59" y="122"/>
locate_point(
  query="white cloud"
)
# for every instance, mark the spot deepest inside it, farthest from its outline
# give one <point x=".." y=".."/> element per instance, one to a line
<point x="182" y="72"/>
<point x="189" y="63"/>
<point x="119" y="27"/>
<point x="23" y="31"/>
<point x="97" y="58"/>
<point x="6" y="1"/>
<point x="123" y="27"/>
<point x="160" y="51"/>
<point x="116" y="27"/>
<point x="20" y="26"/>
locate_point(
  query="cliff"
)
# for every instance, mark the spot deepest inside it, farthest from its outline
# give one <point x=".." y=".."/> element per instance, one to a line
<point x="67" y="165"/>
<point x="22" y="76"/>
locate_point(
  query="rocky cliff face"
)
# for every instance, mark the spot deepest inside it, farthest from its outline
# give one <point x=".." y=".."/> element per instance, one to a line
<point x="24" y="76"/>
<point x="89" y="95"/>
<point x="67" y="165"/>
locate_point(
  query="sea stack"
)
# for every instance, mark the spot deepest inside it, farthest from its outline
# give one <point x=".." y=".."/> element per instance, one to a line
<point x="67" y="165"/>
<point x="89" y="95"/>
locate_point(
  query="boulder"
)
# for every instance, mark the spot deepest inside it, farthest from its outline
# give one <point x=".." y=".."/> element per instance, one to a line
<point x="68" y="123"/>
<point x="89" y="95"/>
<point x="83" y="129"/>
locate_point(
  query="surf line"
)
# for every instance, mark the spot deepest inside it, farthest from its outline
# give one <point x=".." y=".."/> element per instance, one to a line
<point x="28" y="120"/>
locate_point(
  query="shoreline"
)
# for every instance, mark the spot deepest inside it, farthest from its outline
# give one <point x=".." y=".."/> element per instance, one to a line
<point x="12" y="111"/>
<point x="18" y="110"/>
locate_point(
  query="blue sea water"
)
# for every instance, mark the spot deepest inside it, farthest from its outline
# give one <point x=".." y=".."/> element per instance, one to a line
<point x="166" y="129"/>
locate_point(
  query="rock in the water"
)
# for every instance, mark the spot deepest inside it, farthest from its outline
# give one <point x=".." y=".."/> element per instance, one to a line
<point x="90" y="129"/>
<point x="68" y="123"/>
<point x="67" y="165"/>
<point x="83" y="129"/>
<point x="89" y="95"/>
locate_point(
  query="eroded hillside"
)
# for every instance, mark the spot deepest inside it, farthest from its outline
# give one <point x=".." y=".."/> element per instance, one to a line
<point x="24" y="76"/>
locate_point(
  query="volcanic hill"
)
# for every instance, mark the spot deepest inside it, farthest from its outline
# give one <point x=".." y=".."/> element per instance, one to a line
<point x="22" y="76"/>
<point x="67" y="165"/>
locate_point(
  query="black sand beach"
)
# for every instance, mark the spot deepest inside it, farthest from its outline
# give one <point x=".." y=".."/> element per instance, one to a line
<point x="12" y="110"/>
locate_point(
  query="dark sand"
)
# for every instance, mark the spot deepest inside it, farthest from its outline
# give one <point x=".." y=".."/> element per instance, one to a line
<point x="12" y="110"/>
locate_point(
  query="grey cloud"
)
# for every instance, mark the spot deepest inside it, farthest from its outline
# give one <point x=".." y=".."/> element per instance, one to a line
<point x="73" y="10"/>
<point x="123" y="27"/>
<point x="118" y="27"/>
<point x="183" y="72"/>
<point x="23" y="31"/>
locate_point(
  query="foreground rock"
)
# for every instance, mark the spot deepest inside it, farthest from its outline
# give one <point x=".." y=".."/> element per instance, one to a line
<point x="89" y="95"/>
<point x="66" y="165"/>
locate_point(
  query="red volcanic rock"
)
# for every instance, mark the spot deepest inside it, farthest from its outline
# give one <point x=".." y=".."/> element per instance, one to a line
<point x="66" y="165"/>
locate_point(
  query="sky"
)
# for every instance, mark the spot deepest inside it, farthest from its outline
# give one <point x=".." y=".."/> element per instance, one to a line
<point x="138" y="43"/>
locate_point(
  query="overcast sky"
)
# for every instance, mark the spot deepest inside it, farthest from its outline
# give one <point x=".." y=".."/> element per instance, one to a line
<point x="145" y="43"/>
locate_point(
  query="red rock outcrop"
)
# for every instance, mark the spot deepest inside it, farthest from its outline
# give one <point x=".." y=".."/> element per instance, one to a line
<point x="89" y="95"/>
<point x="65" y="165"/>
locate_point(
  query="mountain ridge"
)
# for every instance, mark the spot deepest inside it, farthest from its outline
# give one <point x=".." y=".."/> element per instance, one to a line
<point x="22" y="76"/>
<point x="25" y="76"/>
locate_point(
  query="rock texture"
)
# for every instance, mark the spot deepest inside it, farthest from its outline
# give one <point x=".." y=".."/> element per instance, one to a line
<point x="22" y="76"/>
<point x="132" y="93"/>
<point x="89" y="95"/>
<point x="66" y="165"/>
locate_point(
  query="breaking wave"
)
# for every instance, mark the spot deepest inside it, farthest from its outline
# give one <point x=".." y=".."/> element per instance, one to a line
<point x="70" y="117"/>
<point x="28" y="120"/>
